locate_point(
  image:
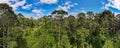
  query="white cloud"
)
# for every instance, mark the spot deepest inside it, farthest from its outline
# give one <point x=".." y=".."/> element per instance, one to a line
<point x="74" y="13"/>
<point x="82" y="10"/>
<point x="29" y="15"/>
<point x="49" y="1"/>
<point x="3" y="1"/>
<point x="116" y="13"/>
<point x="14" y="3"/>
<point x="68" y="5"/>
<point x="38" y="13"/>
<point x="27" y="6"/>
<point x="113" y="4"/>
<point x="75" y="3"/>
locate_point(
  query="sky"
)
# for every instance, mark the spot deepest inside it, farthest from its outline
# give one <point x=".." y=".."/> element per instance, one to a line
<point x="40" y="8"/>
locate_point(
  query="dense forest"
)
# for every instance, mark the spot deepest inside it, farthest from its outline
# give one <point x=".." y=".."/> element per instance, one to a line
<point x="86" y="30"/>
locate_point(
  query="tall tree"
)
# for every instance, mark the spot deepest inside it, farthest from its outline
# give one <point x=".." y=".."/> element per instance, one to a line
<point x="107" y="19"/>
<point x="8" y="20"/>
<point x="60" y="14"/>
<point x="90" y="14"/>
<point x="81" y="19"/>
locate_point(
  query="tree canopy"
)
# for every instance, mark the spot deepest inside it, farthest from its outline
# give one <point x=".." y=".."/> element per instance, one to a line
<point x="87" y="30"/>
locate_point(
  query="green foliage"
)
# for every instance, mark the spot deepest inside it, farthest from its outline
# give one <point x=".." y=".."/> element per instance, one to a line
<point x="81" y="37"/>
<point x="100" y="30"/>
<point x="65" y="42"/>
<point x="108" y="44"/>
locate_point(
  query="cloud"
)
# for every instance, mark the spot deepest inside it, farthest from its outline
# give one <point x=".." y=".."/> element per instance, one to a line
<point x="38" y="13"/>
<point x="14" y="3"/>
<point x="83" y="10"/>
<point x="116" y="13"/>
<point x="75" y="3"/>
<point x="74" y="13"/>
<point x="27" y="6"/>
<point x="4" y="1"/>
<point x="113" y="4"/>
<point x="68" y="5"/>
<point x="49" y="1"/>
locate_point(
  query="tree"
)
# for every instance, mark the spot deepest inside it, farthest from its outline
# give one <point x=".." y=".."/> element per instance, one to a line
<point x="117" y="27"/>
<point x="8" y="20"/>
<point x="81" y="19"/>
<point x="82" y="37"/>
<point x="71" y="29"/>
<point x="60" y="13"/>
<point x="90" y="14"/>
<point x="107" y="19"/>
<point x="57" y="31"/>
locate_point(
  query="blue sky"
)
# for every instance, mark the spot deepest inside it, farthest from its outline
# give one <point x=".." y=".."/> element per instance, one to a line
<point x="39" y="8"/>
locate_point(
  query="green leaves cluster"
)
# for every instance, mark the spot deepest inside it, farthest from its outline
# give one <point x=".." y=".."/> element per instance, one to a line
<point x="100" y="30"/>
